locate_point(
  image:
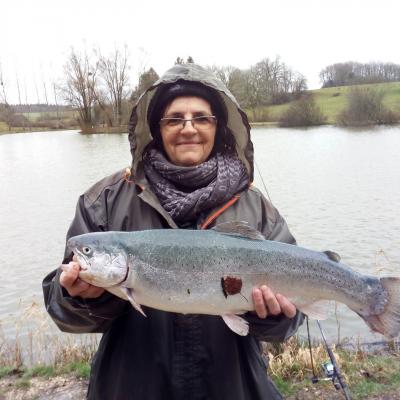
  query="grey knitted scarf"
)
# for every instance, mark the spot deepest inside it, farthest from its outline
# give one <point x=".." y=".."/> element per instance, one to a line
<point x="185" y="192"/>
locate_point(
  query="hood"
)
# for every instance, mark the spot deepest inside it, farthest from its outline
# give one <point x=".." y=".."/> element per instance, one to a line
<point x="139" y="131"/>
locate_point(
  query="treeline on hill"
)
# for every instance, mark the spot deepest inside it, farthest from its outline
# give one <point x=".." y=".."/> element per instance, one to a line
<point x="98" y="94"/>
<point x="98" y="88"/>
<point x="354" y="73"/>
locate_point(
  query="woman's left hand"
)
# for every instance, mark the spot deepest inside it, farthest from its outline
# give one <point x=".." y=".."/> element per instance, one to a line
<point x="266" y="302"/>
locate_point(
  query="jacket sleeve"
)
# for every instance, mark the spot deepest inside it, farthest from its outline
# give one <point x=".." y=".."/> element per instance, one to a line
<point x="274" y="328"/>
<point x="74" y="314"/>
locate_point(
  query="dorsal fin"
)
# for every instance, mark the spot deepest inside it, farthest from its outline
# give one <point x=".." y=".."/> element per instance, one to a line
<point x="332" y="255"/>
<point x="239" y="228"/>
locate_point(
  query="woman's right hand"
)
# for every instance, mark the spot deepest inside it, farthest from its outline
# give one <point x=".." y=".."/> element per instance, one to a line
<point x="69" y="279"/>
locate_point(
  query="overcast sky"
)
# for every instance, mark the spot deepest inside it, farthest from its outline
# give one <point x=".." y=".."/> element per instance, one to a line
<point x="36" y="36"/>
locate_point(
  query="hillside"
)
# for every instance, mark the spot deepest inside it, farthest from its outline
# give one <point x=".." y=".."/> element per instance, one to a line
<point x="333" y="100"/>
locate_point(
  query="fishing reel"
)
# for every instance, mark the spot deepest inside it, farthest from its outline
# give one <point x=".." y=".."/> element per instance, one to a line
<point x="330" y="367"/>
<point x="330" y="374"/>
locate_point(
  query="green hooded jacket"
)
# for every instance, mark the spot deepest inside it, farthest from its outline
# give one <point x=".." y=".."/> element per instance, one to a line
<point x="169" y="356"/>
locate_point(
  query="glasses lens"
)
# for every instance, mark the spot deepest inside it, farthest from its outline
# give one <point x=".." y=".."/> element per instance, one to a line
<point x="204" y="121"/>
<point x="171" y="122"/>
<point x="201" y="122"/>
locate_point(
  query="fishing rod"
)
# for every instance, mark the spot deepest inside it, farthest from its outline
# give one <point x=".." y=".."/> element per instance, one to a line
<point x="331" y="369"/>
<point x="262" y="180"/>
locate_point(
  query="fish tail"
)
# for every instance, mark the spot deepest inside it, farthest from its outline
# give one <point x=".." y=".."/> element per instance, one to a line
<point x="388" y="322"/>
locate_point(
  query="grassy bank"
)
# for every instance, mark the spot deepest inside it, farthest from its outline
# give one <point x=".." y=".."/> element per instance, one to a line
<point x="368" y="376"/>
<point x="37" y="361"/>
<point x="332" y="101"/>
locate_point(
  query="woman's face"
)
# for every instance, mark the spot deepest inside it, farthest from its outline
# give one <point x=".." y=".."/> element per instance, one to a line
<point x="191" y="143"/>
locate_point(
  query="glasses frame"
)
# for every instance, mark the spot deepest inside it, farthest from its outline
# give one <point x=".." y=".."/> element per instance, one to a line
<point x="182" y="121"/>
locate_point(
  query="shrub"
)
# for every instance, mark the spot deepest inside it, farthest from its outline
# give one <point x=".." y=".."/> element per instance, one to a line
<point x="303" y="112"/>
<point x="365" y="107"/>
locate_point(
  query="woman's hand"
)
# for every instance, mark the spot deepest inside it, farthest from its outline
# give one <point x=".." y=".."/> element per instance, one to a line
<point x="69" y="279"/>
<point x="266" y="302"/>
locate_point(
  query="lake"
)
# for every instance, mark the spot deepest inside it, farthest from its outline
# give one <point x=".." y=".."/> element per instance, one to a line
<point x="338" y="189"/>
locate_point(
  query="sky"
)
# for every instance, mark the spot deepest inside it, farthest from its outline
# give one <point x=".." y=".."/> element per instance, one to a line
<point x="308" y="35"/>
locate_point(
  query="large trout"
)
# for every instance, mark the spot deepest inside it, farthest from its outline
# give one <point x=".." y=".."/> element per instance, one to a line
<point x="213" y="272"/>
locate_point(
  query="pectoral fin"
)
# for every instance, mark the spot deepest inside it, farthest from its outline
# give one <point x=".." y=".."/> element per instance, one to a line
<point x="237" y="324"/>
<point x="131" y="298"/>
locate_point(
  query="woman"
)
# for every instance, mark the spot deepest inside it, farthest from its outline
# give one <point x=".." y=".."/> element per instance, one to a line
<point x="192" y="168"/>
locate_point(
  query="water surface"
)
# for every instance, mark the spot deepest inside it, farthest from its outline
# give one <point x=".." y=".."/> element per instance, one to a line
<point x="337" y="189"/>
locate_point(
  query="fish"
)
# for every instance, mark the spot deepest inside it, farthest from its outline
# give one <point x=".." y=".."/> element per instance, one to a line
<point x="213" y="272"/>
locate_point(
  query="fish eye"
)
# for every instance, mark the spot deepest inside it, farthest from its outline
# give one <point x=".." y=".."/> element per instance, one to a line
<point x="86" y="250"/>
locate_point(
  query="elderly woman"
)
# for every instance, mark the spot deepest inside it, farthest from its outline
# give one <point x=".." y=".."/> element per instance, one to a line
<point x="192" y="168"/>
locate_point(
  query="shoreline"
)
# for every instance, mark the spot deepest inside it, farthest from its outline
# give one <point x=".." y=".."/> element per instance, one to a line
<point x="123" y="129"/>
<point x="370" y="375"/>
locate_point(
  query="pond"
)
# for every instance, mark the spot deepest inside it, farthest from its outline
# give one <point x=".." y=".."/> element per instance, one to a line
<point x="337" y="189"/>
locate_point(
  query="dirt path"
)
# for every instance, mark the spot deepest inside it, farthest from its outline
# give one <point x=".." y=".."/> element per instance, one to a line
<point x="71" y="388"/>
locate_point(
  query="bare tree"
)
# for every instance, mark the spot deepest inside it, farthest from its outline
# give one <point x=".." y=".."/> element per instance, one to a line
<point x="353" y="73"/>
<point x="80" y="86"/>
<point x="224" y="73"/>
<point x="365" y="107"/>
<point x="3" y="87"/>
<point x="114" y="74"/>
<point x="18" y="89"/>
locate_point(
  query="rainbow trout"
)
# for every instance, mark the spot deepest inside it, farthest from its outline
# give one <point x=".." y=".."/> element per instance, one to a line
<point x="213" y="272"/>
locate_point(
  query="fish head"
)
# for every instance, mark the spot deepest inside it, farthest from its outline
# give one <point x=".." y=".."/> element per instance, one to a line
<point x="103" y="261"/>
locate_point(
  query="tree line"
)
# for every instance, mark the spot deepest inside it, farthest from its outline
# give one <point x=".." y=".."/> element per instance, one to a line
<point x="355" y="73"/>
<point x="99" y="90"/>
<point x="99" y="87"/>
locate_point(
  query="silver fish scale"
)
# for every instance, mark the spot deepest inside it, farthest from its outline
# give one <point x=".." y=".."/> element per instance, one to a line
<point x="181" y="265"/>
<point x="202" y="258"/>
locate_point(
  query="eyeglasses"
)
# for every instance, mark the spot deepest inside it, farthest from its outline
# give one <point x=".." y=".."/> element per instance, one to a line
<point x="203" y="122"/>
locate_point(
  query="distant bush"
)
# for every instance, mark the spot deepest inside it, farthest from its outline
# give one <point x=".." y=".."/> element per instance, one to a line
<point x="365" y="107"/>
<point x="259" y="114"/>
<point x="303" y="112"/>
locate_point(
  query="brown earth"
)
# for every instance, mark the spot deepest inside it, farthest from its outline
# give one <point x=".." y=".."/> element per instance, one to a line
<point x="68" y="387"/>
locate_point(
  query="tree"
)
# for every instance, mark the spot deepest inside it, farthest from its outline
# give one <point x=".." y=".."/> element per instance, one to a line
<point x="190" y="60"/>
<point x="146" y="79"/>
<point x="365" y="107"/>
<point x="80" y="87"/>
<point x="353" y="73"/>
<point x="3" y="98"/>
<point x="114" y="75"/>
<point x="303" y="112"/>
<point x="179" y="60"/>
<point x="224" y="73"/>
<point x="7" y="114"/>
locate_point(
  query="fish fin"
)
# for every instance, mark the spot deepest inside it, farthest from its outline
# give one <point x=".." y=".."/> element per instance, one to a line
<point x="239" y="228"/>
<point x="315" y="310"/>
<point x="237" y="324"/>
<point x="332" y="255"/>
<point x="388" y="322"/>
<point x="131" y="298"/>
<point x="118" y="291"/>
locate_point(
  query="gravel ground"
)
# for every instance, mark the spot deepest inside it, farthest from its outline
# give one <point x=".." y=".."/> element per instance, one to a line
<point x="54" y="388"/>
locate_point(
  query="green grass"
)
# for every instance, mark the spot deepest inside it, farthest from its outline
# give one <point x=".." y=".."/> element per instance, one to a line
<point x="3" y="127"/>
<point x="5" y="371"/>
<point x="79" y="369"/>
<point x="333" y="100"/>
<point x="40" y="370"/>
<point x="34" y="116"/>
